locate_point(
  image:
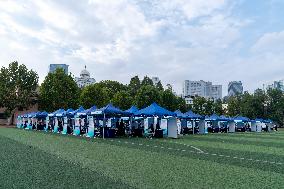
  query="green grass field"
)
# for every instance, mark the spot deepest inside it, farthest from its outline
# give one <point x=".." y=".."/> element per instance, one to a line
<point x="33" y="159"/>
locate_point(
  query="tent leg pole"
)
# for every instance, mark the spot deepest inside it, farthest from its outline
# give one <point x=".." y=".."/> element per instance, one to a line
<point x="104" y="126"/>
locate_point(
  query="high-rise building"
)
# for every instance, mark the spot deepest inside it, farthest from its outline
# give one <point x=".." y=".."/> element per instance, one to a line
<point x="155" y="80"/>
<point x="276" y="85"/>
<point x="216" y="92"/>
<point x="84" y="79"/>
<point x="235" y="88"/>
<point x="202" y="88"/>
<point x="53" y="67"/>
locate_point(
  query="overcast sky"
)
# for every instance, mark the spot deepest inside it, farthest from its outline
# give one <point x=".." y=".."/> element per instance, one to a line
<point x="214" y="40"/>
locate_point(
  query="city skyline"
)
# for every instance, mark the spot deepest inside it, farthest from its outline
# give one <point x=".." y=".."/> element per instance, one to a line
<point x="216" y="40"/>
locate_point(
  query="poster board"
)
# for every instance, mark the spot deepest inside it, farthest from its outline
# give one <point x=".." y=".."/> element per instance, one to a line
<point x="65" y="121"/>
<point x="91" y="128"/>
<point x="232" y="127"/>
<point x="172" y="127"/>
<point x="203" y="128"/>
<point x="55" y="130"/>
<point x="76" y="130"/>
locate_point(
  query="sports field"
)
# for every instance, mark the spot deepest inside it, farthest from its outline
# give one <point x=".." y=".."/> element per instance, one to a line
<point x="33" y="159"/>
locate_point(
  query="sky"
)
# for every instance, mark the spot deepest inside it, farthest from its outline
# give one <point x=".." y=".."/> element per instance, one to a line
<point x="176" y="40"/>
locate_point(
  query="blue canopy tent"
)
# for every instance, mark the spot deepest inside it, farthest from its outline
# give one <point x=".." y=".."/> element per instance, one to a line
<point x="154" y="110"/>
<point x="66" y="121"/>
<point x="58" y="115"/>
<point x="132" y="124"/>
<point x="52" y="120"/>
<point x="77" y="125"/>
<point x="241" y="123"/>
<point x="108" y="111"/>
<point x="40" y="119"/>
<point x="192" y="116"/>
<point x="132" y="110"/>
<point x="226" y="124"/>
<point x="214" y="119"/>
<point x="89" y="129"/>
<point x="179" y="114"/>
<point x="158" y="111"/>
<point x="181" y="122"/>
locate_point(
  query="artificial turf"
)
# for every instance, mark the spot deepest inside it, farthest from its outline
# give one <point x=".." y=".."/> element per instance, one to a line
<point x="33" y="159"/>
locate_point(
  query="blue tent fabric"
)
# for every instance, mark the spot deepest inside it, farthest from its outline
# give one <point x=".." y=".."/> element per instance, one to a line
<point x="240" y="118"/>
<point x="179" y="114"/>
<point x="154" y="110"/>
<point x="43" y="114"/>
<point x="132" y="110"/>
<point x="59" y="113"/>
<point x="224" y="118"/>
<point x="191" y="115"/>
<point x="110" y="109"/>
<point x="67" y="112"/>
<point x="55" y="112"/>
<point x="90" y="110"/>
<point x="79" y="110"/>
<point x="213" y="117"/>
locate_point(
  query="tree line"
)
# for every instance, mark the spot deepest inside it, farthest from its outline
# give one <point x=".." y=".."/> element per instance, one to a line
<point x="19" y="89"/>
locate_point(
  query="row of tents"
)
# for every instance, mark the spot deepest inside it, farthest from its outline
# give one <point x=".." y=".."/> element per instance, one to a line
<point x="152" y="119"/>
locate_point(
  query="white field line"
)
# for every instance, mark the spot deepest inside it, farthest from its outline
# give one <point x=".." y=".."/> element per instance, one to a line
<point x="205" y="153"/>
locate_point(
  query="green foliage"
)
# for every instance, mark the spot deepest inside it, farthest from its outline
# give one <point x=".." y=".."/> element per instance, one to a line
<point x="147" y="81"/>
<point x="58" y="90"/>
<point x="234" y="106"/>
<point x="168" y="100"/>
<point x="146" y="95"/>
<point x="218" y="109"/>
<point x="134" y="85"/>
<point x="94" y="95"/>
<point x="199" y="105"/>
<point x="17" y="87"/>
<point x="112" y="87"/>
<point x="123" y="99"/>
<point x="160" y="86"/>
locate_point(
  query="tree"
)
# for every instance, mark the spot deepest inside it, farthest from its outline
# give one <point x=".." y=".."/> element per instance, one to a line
<point x="147" y="81"/>
<point x="58" y="90"/>
<point x="234" y="106"/>
<point x="168" y="100"/>
<point x="275" y="105"/>
<point x="134" y="85"/>
<point x="94" y="95"/>
<point x="218" y="109"/>
<point x="146" y="95"/>
<point x="159" y="86"/>
<point x="123" y="100"/>
<point x="112" y="87"/>
<point x="246" y="106"/>
<point x="209" y="107"/>
<point x="17" y="87"/>
<point x="199" y="105"/>
<point x="181" y="104"/>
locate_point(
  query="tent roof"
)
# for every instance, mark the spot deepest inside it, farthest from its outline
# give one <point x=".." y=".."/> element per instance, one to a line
<point x="79" y="110"/>
<point x="180" y="114"/>
<point x="192" y="115"/>
<point x="154" y="110"/>
<point x="67" y="112"/>
<point x="241" y="118"/>
<point x="225" y="118"/>
<point x="56" y="112"/>
<point x="89" y="111"/>
<point x="109" y="109"/>
<point x="213" y="117"/>
<point x="132" y="110"/>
